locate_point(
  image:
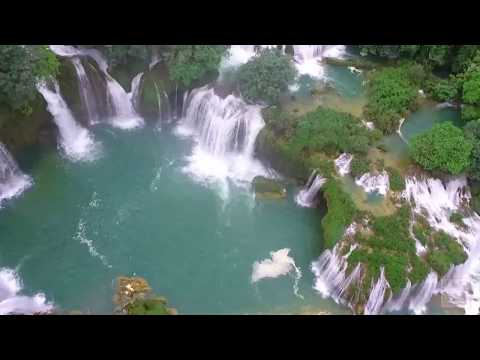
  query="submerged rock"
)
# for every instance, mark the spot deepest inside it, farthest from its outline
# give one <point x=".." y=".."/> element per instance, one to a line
<point x="268" y="189"/>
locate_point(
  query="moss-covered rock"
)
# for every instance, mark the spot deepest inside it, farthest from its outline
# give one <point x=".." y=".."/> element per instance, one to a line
<point x="268" y="189"/>
<point x="19" y="131"/>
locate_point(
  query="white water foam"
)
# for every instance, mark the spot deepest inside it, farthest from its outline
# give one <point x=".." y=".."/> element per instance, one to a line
<point x="342" y="164"/>
<point x="76" y="142"/>
<point x="81" y="236"/>
<point x="12" y="181"/>
<point x="379" y="183"/>
<point x="279" y="264"/>
<point x="306" y="197"/>
<point x="11" y="302"/>
<point x="225" y="131"/>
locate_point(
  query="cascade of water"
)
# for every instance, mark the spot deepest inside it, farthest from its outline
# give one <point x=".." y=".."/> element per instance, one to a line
<point x="121" y="108"/>
<point x="86" y="91"/>
<point x="308" y="57"/>
<point x="397" y="303"/>
<point x="423" y="294"/>
<point x="331" y="278"/>
<point x="11" y="302"/>
<point x="306" y="196"/>
<point x="399" y="130"/>
<point x="377" y="295"/>
<point x="438" y="201"/>
<point x="76" y="141"/>
<point x="225" y="131"/>
<point x="342" y="164"/>
<point x="134" y="93"/>
<point x="379" y="183"/>
<point x="12" y="181"/>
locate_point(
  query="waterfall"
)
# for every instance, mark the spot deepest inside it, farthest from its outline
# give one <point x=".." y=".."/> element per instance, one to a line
<point x="134" y="93"/>
<point x="76" y="141"/>
<point x="399" y="130"/>
<point x="377" y="295"/>
<point x="331" y="278"/>
<point x="306" y="196"/>
<point x="342" y="164"/>
<point x="12" y="181"/>
<point x="225" y="131"/>
<point x="398" y="302"/>
<point x="308" y="57"/>
<point x="159" y="102"/>
<point x="379" y="183"/>
<point x="438" y="201"/>
<point x="121" y="108"/>
<point x="11" y="302"/>
<point x="423" y="294"/>
<point x="86" y="91"/>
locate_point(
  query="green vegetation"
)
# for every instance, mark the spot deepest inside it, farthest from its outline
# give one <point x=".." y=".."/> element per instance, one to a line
<point x="470" y="112"/>
<point x="268" y="188"/>
<point x="341" y="213"/>
<point x="266" y="76"/>
<point x="457" y="219"/>
<point x="444" y="252"/>
<point x="472" y="133"/>
<point x="332" y="132"/>
<point x="189" y="63"/>
<point x="444" y="89"/>
<point x="153" y="306"/>
<point x="21" y="67"/>
<point x="391" y="92"/>
<point x="359" y="166"/>
<point x="121" y="54"/>
<point x="443" y="148"/>
<point x="397" y="181"/>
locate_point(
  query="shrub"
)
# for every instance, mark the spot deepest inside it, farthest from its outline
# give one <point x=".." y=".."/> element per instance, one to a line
<point x="266" y="76"/>
<point x="359" y="166"/>
<point x="443" y="148"/>
<point x="397" y="181"/>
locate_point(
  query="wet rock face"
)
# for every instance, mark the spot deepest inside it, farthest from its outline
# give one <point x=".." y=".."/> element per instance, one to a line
<point x="268" y="189"/>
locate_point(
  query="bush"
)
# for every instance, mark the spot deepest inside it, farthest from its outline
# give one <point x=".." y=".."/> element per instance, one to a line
<point x="470" y="112"/>
<point x="266" y="76"/>
<point x="330" y="131"/>
<point x="341" y="213"/>
<point x="359" y="166"/>
<point x="443" y="148"/>
<point x="390" y="94"/>
<point x="21" y="67"/>
<point x="189" y="63"/>
<point x="444" y="252"/>
<point x="397" y="181"/>
<point x="444" y="90"/>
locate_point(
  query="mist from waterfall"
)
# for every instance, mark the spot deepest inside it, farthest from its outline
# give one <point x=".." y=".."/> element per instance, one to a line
<point x="12" y="181"/>
<point x="76" y="142"/>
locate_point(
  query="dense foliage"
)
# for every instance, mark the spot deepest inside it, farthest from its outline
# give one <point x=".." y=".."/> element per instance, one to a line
<point x="391" y="92"/>
<point x="341" y="213"/>
<point x="444" y="148"/>
<point x="188" y="63"/>
<point x="397" y="181"/>
<point x="266" y="76"/>
<point x="21" y="67"/>
<point x="121" y="54"/>
<point x="472" y="133"/>
<point x="332" y="132"/>
<point x="359" y="166"/>
<point x="445" y="252"/>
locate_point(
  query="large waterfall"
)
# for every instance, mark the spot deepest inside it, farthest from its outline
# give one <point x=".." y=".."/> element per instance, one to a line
<point x="11" y="302"/>
<point x="89" y="99"/>
<point x="121" y="105"/>
<point x="225" y="130"/>
<point x="306" y="197"/>
<point x="76" y="141"/>
<point x="12" y="181"/>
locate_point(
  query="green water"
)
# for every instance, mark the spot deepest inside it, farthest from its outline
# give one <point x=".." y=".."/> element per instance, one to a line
<point x="145" y="217"/>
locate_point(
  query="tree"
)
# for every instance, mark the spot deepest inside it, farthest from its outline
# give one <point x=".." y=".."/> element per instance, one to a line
<point x="21" y="67"/>
<point x="266" y="76"/>
<point x="188" y="63"/>
<point x="472" y="133"/>
<point x="390" y="93"/>
<point x="120" y="54"/>
<point x="443" y="148"/>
